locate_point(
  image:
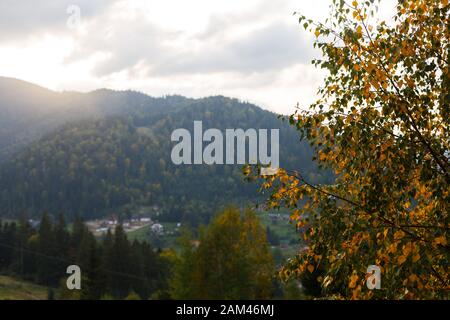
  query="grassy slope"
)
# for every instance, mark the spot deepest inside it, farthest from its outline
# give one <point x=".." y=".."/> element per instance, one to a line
<point x="14" y="289"/>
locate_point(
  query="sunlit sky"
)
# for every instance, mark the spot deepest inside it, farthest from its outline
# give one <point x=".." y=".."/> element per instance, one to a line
<point x="253" y="50"/>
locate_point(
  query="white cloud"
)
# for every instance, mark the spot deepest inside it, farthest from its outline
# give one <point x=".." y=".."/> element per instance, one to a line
<point x="253" y="50"/>
<point x="21" y="18"/>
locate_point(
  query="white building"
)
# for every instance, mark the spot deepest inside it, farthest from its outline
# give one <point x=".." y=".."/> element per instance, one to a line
<point x="157" y="228"/>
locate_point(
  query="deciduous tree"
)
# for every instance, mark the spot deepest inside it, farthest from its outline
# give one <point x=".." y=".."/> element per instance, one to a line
<point x="381" y="124"/>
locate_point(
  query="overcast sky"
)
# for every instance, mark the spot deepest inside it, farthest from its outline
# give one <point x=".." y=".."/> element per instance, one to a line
<point x="253" y="49"/>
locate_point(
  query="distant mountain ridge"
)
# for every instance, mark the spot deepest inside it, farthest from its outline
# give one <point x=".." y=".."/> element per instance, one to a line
<point x="30" y="111"/>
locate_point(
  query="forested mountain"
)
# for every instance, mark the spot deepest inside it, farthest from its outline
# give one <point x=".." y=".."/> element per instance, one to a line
<point x="120" y="159"/>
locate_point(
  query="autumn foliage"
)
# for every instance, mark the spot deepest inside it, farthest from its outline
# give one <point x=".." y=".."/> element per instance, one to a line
<point x="381" y="124"/>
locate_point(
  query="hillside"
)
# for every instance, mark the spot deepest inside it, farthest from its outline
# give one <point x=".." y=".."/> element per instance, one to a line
<point x="120" y="161"/>
<point x="14" y="289"/>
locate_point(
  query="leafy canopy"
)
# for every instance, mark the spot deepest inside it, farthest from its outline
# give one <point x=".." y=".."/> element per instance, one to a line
<point x="381" y="124"/>
<point x="231" y="260"/>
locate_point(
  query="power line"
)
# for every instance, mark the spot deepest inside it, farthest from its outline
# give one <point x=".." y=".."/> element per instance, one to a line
<point x="55" y="258"/>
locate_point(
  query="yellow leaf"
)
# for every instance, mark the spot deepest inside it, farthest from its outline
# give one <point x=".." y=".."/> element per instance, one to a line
<point x="407" y="249"/>
<point x="310" y="268"/>
<point x="359" y="30"/>
<point x="413" y="278"/>
<point x="353" y="281"/>
<point x="399" y="235"/>
<point x="356" y="292"/>
<point x="317" y="33"/>
<point x="355" y="3"/>
<point x="392" y="248"/>
<point x="440" y="240"/>
<point x="401" y="259"/>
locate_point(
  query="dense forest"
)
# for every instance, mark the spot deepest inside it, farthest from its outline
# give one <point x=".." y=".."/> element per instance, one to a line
<point x="234" y="244"/>
<point x="118" y="163"/>
<point x="111" y="267"/>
